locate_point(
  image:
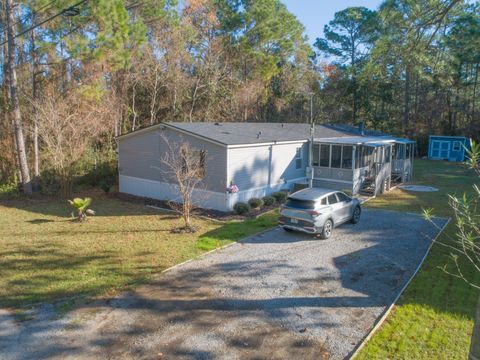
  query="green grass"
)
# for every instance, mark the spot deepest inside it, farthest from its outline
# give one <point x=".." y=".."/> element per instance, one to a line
<point x="44" y="256"/>
<point x="434" y="317"/>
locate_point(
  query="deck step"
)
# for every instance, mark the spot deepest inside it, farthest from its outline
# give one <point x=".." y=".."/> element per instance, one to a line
<point x="368" y="187"/>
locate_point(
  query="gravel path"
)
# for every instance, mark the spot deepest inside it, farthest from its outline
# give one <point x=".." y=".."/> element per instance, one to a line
<point x="277" y="296"/>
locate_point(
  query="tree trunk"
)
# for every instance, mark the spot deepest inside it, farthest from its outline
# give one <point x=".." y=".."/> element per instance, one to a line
<point x="406" y="110"/>
<point x="474" y="97"/>
<point x="17" y="116"/>
<point x="36" y="155"/>
<point x="475" y="342"/>
<point x="354" y="90"/>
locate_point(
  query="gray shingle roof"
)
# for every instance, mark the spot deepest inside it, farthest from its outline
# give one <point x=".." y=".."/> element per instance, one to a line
<point x="355" y="130"/>
<point x="235" y="133"/>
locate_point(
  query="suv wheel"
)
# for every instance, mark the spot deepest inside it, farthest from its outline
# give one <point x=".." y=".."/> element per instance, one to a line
<point x="327" y="229"/>
<point x="356" y="215"/>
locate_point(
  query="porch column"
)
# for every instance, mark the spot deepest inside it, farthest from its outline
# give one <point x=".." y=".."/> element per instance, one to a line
<point x="354" y="151"/>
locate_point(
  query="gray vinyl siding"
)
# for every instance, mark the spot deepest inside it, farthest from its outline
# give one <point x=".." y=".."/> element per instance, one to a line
<point x="141" y="156"/>
<point x="265" y="165"/>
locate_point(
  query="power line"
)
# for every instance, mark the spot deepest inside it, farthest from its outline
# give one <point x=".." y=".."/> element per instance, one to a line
<point x="21" y="20"/>
<point x="63" y="11"/>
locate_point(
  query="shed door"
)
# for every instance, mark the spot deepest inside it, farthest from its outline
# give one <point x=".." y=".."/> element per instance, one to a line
<point x="440" y="149"/>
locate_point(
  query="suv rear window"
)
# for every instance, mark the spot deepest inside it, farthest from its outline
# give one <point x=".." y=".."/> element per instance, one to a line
<point x="332" y="199"/>
<point x="300" y="204"/>
<point x="342" y="197"/>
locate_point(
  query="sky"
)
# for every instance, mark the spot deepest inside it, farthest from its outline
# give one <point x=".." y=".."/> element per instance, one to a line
<point x="315" y="14"/>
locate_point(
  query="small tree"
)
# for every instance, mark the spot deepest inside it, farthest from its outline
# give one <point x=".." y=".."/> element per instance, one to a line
<point x="465" y="246"/>
<point x="185" y="167"/>
<point x="68" y="126"/>
<point x="82" y="207"/>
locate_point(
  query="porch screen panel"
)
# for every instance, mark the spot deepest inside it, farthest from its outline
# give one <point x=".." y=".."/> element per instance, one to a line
<point x="369" y="156"/>
<point x="325" y="155"/>
<point x="316" y="155"/>
<point x="336" y="156"/>
<point x="347" y="157"/>
<point x="388" y="149"/>
<point x="358" y="157"/>
<point x="363" y="156"/>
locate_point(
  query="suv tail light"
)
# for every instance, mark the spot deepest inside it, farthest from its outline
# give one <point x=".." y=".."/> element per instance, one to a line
<point x="314" y="212"/>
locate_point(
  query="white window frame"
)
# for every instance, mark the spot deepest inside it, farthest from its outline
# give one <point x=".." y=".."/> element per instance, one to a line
<point x="298" y="156"/>
<point x="455" y="143"/>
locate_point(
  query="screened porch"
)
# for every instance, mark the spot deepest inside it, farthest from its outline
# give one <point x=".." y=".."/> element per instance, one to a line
<point x="403" y="153"/>
<point x="354" y="164"/>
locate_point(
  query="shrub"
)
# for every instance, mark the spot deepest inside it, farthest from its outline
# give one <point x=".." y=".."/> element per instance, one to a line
<point x="9" y="190"/>
<point x="269" y="200"/>
<point x="280" y="196"/>
<point x="103" y="174"/>
<point x="255" y="203"/>
<point x="50" y="183"/>
<point x="106" y="184"/>
<point x="241" y="208"/>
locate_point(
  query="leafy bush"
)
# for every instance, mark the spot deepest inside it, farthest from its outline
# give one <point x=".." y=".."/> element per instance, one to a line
<point x="255" y="203"/>
<point x="280" y="196"/>
<point x="269" y="200"/>
<point x="9" y="191"/>
<point x="103" y="176"/>
<point x="241" y="208"/>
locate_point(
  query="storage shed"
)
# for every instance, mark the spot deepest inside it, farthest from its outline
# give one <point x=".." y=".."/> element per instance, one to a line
<point x="451" y="148"/>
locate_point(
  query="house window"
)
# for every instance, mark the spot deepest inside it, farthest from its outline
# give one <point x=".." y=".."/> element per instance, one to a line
<point x="347" y="157"/>
<point x="336" y="156"/>
<point x="197" y="157"/>
<point x="298" y="158"/>
<point x="316" y="155"/>
<point x="203" y="159"/>
<point x="457" y="145"/>
<point x="325" y="155"/>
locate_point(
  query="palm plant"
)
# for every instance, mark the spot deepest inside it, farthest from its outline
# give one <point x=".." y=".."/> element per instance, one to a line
<point x="81" y="206"/>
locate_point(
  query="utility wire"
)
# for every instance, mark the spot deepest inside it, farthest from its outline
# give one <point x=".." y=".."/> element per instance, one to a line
<point x="63" y="11"/>
<point x="21" y="20"/>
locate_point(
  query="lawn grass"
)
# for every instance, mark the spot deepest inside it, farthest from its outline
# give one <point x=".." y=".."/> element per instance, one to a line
<point x="434" y="317"/>
<point x="44" y="256"/>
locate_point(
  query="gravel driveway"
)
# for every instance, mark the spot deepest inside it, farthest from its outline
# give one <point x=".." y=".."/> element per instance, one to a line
<point x="277" y="295"/>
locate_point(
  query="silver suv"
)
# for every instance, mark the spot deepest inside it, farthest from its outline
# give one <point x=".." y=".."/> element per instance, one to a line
<point x="318" y="211"/>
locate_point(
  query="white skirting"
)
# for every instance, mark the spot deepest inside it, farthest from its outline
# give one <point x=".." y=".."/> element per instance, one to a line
<point x="202" y="198"/>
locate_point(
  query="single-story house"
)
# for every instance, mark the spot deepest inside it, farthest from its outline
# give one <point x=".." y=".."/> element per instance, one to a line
<point x="261" y="158"/>
<point x="451" y="148"/>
